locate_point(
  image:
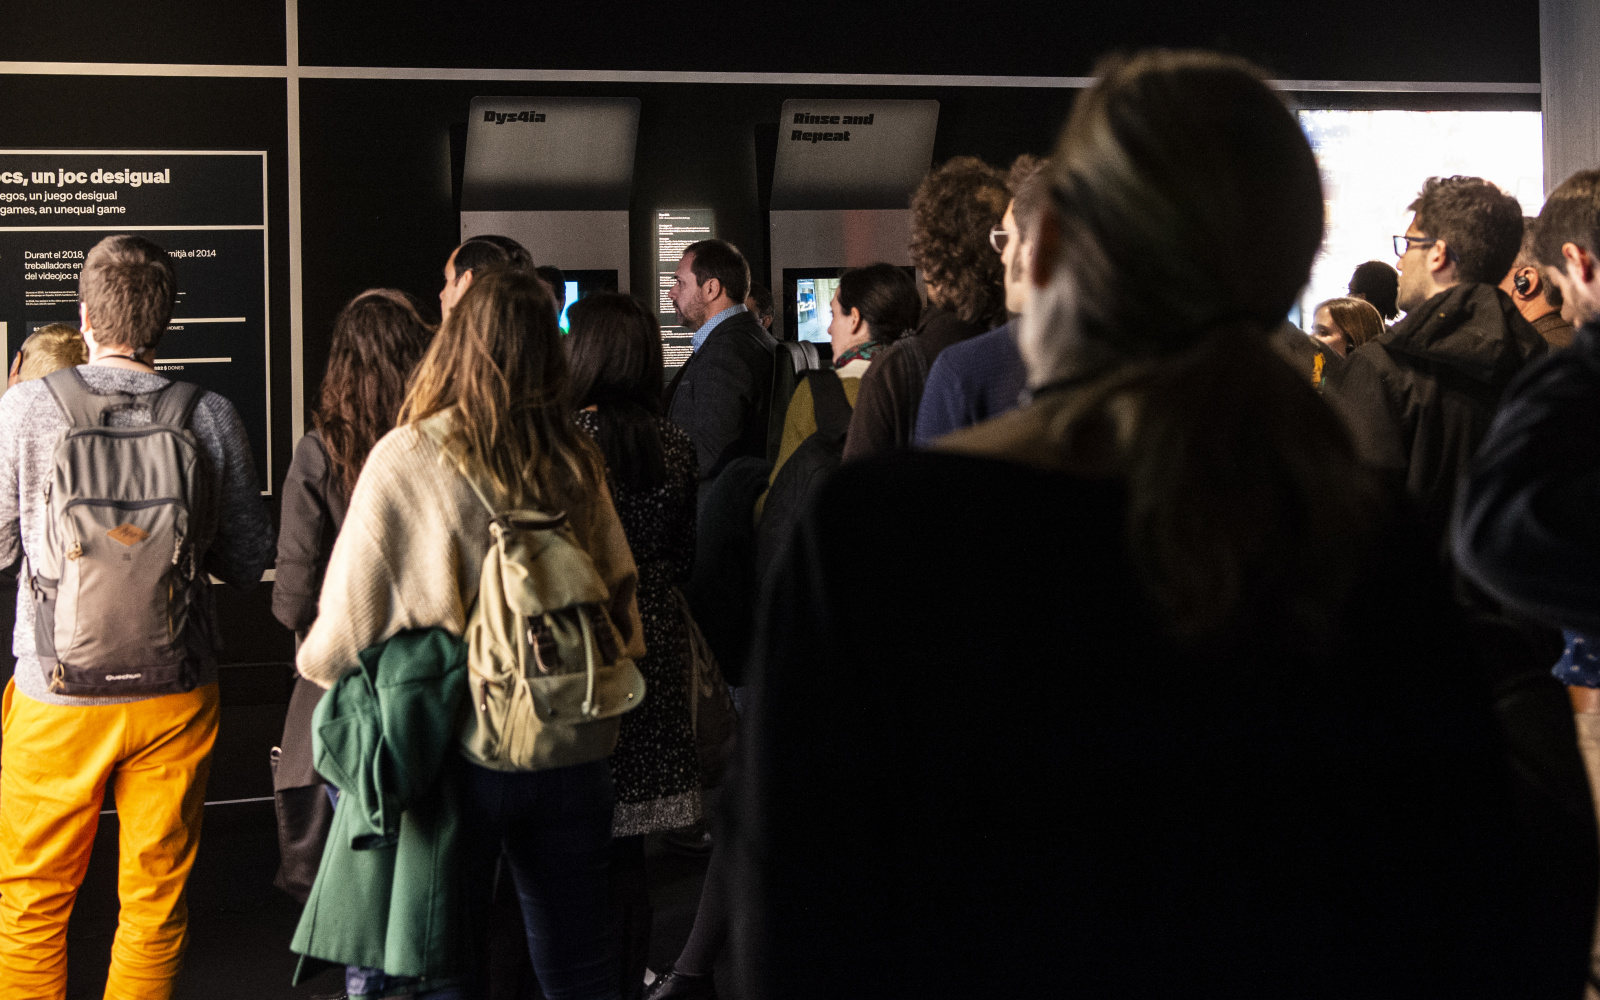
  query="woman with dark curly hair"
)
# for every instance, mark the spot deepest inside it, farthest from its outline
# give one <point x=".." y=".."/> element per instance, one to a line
<point x="952" y="214"/>
<point x="377" y="340"/>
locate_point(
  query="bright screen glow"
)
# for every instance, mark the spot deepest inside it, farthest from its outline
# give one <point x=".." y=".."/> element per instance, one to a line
<point x="1373" y="165"/>
<point x="572" y="296"/>
<point x="813" y="308"/>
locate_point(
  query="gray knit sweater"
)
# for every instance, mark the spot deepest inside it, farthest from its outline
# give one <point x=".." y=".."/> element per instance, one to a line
<point x="233" y="540"/>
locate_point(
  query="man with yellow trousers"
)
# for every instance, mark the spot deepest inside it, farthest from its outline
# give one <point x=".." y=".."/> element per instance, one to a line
<point x="122" y="491"/>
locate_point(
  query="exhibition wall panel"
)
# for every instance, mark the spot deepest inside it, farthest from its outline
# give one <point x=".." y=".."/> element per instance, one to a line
<point x="133" y="113"/>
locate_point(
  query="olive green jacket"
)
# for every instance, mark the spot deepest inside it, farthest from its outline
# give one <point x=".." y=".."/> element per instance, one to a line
<point x="386" y="894"/>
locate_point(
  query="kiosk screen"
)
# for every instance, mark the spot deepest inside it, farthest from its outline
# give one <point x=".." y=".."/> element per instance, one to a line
<point x="813" y="308"/>
<point x="581" y="283"/>
<point x="808" y="301"/>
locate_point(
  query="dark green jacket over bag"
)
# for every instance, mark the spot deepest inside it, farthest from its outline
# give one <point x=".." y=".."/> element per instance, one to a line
<point x="386" y="896"/>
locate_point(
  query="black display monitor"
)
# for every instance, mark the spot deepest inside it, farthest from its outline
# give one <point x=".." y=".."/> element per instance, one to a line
<point x="581" y="283"/>
<point x="808" y="301"/>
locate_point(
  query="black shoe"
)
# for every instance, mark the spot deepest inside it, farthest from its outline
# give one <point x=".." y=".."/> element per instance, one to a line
<point x="694" y="840"/>
<point x="675" y="985"/>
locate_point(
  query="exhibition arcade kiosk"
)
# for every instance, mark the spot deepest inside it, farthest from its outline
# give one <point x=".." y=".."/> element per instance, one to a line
<point x="841" y="188"/>
<point x="554" y="174"/>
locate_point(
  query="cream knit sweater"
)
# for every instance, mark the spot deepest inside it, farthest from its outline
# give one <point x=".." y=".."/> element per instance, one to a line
<point x="410" y="553"/>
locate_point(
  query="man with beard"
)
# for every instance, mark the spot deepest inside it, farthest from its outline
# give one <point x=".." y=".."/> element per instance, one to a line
<point x="1537" y="296"/>
<point x="1419" y="398"/>
<point x="722" y="394"/>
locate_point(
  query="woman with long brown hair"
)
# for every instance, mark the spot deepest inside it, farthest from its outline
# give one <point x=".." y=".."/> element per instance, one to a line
<point x="1148" y="688"/>
<point x="377" y="340"/>
<point x="1345" y="323"/>
<point x="491" y="400"/>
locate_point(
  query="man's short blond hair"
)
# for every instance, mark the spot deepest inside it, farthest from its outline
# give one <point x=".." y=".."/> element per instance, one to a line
<point x="130" y="289"/>
<point x="51" y="348"/>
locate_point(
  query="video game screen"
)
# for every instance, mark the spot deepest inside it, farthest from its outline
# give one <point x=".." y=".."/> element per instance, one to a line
<point x="813" y="308"/>
<point x="581" y="283"/>
<point x="808" y="301"/>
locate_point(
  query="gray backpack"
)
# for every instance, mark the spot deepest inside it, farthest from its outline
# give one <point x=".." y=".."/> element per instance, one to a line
<point x="112" y="584"/>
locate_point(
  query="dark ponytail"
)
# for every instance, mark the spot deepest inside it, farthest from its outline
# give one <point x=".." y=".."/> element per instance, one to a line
<point x="1243" y="489"/>
<point x="887" y="297"/>
<point x="1189" y="209"/>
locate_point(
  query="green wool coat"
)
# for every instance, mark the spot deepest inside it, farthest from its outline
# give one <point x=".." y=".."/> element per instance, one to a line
<point x="386" y="894"/>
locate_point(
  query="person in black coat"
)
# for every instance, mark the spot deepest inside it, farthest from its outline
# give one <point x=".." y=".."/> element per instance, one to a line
<point x="1146" y="689"/>
<point x="953" y="212"/>
<point x="722" y="396"/>
<point x="1525" y="526"/>
<point x="1419" y="398"/>
<point x="377" y="340"/>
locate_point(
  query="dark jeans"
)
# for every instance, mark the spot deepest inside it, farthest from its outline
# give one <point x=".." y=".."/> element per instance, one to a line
<point x="554" y="829"/>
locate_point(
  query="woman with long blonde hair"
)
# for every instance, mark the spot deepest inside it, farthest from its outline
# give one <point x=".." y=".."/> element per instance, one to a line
<point x="491" y="400"/>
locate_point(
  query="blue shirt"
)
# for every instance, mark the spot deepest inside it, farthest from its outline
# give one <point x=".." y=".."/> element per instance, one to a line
<point x="701" y="334"/>
<point x="970" y="382"/>
<point x="1580" y="663"/>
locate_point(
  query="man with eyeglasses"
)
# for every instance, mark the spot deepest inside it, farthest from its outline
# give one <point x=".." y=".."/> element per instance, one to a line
<point x="983" y="377"/>
<point x="1420" y="397"/>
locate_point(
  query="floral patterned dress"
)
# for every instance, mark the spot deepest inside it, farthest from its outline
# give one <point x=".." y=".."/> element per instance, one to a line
<point x="655" y="767"/>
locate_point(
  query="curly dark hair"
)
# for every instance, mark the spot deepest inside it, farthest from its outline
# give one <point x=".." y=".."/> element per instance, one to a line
<point x="951" y="214"/>
<point x="377" y="340"/>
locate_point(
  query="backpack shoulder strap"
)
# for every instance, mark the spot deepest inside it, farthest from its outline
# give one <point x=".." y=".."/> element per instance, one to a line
<point x="794" y="354"/>
<point x="829" y="403"/>
<point x="434" y="429"/>
<point x="81" y="406"/>
<point x="173" y="404"/>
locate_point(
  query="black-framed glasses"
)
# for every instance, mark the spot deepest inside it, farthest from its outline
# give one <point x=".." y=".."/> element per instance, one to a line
<point x="1402" y="244"/>
<point x="999" y="236"/>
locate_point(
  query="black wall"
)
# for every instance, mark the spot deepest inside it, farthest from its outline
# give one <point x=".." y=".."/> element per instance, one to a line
<point x="1482" y="40"/>
<point x="1310" y="39"/>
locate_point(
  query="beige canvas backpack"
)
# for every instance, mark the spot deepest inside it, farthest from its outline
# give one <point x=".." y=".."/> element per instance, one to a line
<point x="547" y="678"/>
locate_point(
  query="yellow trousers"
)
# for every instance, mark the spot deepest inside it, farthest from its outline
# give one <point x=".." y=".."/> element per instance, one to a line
<point x="55" y="764"/>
